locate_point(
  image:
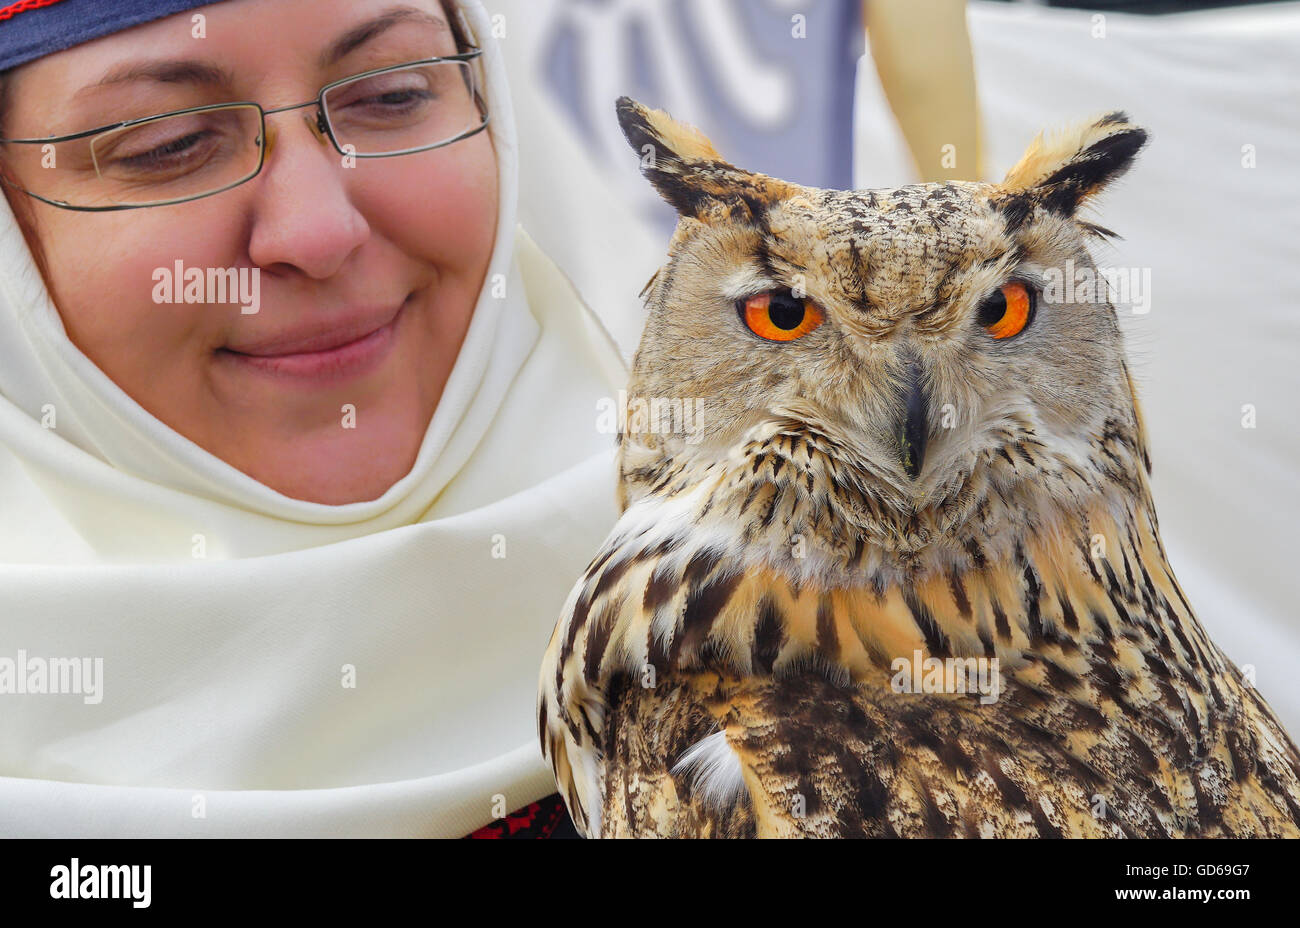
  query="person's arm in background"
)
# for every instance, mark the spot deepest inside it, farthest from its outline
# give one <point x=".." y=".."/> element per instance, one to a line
<point x="923" y="56"/>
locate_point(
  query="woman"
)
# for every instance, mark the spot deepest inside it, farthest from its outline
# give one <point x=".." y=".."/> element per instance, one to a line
<point x="280" y="563"/>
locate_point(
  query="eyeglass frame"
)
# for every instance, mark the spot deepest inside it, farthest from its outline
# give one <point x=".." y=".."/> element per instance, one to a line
<point x="322" y="126"/>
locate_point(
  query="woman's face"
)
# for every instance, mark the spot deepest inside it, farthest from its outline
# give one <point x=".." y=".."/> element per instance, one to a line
<point x="341" y="250"/>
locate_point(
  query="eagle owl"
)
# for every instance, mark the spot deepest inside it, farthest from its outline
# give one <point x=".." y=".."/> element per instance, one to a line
<point x="888" y="562"/>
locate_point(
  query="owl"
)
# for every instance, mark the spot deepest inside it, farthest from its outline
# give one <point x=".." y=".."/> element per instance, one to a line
<point x="888" y="562"/>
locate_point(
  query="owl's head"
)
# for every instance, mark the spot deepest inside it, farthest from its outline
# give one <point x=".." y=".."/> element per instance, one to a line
<point x="926" y="332"/>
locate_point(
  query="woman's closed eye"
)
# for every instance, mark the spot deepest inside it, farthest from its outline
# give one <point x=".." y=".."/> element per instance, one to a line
<point x="168" y="147"/>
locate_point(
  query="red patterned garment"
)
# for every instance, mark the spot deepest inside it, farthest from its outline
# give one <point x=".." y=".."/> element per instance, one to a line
<point x="13" y="9"/>
<point x="545" y="818"/>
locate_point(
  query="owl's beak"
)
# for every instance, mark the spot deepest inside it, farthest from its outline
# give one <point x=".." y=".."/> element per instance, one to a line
<point x="914" y="427"/>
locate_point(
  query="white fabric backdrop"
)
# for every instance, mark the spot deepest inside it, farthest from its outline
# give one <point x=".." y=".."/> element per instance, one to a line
<point x="1221" y="241"/>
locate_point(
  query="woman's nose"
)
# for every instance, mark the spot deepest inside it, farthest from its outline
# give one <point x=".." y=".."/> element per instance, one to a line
<point x="303" y="214"/>
<point x="314" y="123"/>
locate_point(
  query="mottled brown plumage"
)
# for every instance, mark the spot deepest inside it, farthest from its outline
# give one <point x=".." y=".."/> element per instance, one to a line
<point x="895" y="484"/>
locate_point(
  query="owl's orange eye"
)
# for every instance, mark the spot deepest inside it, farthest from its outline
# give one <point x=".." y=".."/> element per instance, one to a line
<point x="779" y="315"/>
<point x="1008" y="311"/>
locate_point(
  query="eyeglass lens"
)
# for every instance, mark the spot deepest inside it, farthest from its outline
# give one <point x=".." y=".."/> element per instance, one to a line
<point x="188" y="155"/>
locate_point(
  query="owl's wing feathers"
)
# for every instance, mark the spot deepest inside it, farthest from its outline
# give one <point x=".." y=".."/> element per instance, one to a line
<point x="820" y="758"/>
<point x="687" y="694"/>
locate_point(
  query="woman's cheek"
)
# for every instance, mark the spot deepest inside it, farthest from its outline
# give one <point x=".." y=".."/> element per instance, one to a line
<point x="109" y="302"/>
<point x="451" y="221"/>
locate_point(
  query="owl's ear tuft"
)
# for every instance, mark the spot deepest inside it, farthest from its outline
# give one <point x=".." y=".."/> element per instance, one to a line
<point x="668" y="139"/>
<point x="673" y="156"/>
<point x="1062" y="172"/>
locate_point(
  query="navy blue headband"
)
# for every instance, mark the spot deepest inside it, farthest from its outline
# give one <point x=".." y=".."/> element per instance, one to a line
<point x="30" y="29"/>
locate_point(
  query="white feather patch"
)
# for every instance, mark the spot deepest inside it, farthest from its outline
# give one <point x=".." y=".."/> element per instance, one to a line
<point x="713" y="769"/>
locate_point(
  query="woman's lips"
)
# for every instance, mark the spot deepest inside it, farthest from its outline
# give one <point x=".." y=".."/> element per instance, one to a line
<point x="344" y="362"/>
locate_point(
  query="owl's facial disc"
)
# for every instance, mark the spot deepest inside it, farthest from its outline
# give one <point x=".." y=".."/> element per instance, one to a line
<point x="837" y="321"/>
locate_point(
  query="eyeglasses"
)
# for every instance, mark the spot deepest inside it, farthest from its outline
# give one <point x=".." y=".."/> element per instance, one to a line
<point x="193" y="153"/>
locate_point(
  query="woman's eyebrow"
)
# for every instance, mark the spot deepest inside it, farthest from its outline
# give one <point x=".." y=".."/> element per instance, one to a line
<point x="359" y="35"/>
<point x="179" y="71"/>
<point x="185" y="71"/>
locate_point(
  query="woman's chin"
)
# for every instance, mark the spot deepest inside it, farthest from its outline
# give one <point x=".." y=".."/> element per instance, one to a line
<point x="354" y="456"/>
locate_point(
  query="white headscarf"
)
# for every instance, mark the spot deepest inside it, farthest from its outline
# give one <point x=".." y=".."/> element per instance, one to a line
<point x="224" y="708"/>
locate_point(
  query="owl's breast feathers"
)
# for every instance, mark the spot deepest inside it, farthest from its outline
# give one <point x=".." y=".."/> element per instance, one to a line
<point x="1078" y="694"/>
